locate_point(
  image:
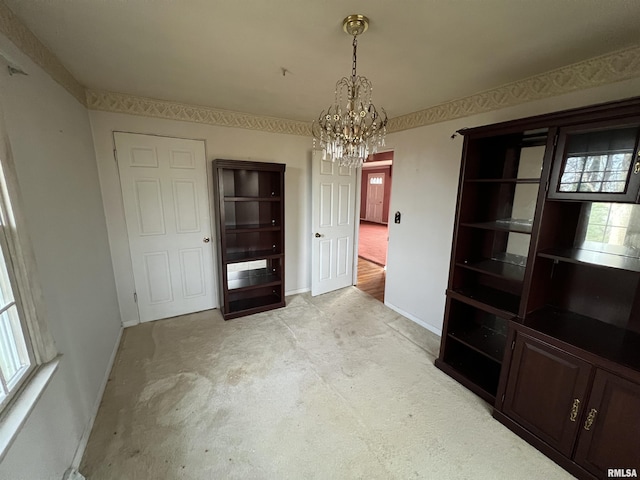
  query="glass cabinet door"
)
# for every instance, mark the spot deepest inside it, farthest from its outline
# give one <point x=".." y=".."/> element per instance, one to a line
<point x="597" y="163"/>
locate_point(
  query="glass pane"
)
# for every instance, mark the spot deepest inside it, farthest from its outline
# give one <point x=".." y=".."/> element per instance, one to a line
<point x="590" y="186"/>
<point x="615" y="176"/>
<point x="530" y="165"/>
<point x="598" y="161"/>
<point x="613" y="187"/>
<point x="525" y="198"/>
<point x="568" y="187"/>
<point x="612" y="228"/>
<point x="595" y="163"/>
<point x="518" y="244"/>
<point x="620" y="162"/>
<point x="571" y="177"/>
<point x="6" y="294"/>
<point x="243" y="266"/>
<point x="13" y="350"/>
<point x="602" y="142"/>
<point x="574" y="164"/>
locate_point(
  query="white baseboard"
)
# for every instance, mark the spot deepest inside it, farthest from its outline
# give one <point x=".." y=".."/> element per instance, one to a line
<point x="77" y="458"/>
<point x="295" y="292"/>
<point x="130" y="323"/>
<point x="415" y="319"/>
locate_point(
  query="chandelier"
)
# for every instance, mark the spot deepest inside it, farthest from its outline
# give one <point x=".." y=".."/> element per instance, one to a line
<point x="351" y="128"/>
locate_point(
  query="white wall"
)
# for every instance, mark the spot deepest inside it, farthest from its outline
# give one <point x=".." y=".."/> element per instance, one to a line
<point x="50" y="135"/>
<point x="221" y="142"/>
<point x="426" y="166"/>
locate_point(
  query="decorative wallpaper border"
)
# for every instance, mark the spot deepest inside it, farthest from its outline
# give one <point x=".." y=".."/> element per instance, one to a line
<point x="123" y="103"/>
<point x="609" y="68"/>
<point x="16" y="31"/>
<point x="594" y="72"/>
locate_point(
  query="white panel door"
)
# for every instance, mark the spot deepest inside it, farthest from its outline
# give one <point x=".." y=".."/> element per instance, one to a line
<point x="333" y="210"/>
<point x="166" y="205"/>
<point x="375" y="197"/>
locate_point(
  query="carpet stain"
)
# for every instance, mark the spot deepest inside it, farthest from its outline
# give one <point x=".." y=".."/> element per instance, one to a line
<point x="236" y="375"/>
<point x="173" y="399"/>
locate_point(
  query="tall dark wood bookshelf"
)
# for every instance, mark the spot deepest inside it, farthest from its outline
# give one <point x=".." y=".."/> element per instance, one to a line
<point x="249" y="210"/>
<point x="542" y="315"/>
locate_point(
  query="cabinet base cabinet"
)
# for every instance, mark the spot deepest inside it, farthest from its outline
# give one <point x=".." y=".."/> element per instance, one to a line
<point x="610" y="433"/>
<point x="546" y="391"/>
<point x="583" y="417"/>
<point x="562" y="460"/>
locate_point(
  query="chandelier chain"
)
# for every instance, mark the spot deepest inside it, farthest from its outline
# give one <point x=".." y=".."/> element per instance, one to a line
<point x="355" y="59"/>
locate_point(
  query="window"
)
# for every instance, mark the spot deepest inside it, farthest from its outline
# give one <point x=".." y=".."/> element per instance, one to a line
<point x="27" y="350"/>
<point x="16" y="356"/>
<point x="598" y="161"/>
<point x="611" y="227"/>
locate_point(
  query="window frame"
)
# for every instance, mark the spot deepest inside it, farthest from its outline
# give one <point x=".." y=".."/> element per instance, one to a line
<point x="23" y="277"/>
<point x="11" y="389"/>
<point x="632" y="184"/>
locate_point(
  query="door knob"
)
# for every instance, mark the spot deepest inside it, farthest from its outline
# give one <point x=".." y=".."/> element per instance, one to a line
<point x="206" y="239"/>
<point x="318" y="235"/>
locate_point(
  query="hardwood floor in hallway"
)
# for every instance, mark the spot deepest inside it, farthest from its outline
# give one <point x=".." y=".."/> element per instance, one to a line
<point x="371" y="278"/>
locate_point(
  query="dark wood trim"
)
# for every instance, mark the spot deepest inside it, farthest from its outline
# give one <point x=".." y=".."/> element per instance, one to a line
<point x="608" y="110"/>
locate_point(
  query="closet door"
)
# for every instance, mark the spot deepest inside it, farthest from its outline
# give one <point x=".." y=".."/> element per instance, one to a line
<point x="166" y="205"/>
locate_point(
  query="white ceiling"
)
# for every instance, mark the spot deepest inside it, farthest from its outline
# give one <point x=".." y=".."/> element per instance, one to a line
<point x="229" y="54"/>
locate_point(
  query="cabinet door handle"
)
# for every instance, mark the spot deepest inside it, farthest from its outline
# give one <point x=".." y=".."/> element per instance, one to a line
<point x="574" y="410"/>
<point x="590" y="418"/>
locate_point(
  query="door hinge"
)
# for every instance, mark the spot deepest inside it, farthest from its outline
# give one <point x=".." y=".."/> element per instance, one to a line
<point x="502" y="400"/>
<point x="115" y="155"/>
<point x="513" y="345"/>
<point x="555" y="140"/>
<point x="546" y="186"/>
<point x="135" y="297"/>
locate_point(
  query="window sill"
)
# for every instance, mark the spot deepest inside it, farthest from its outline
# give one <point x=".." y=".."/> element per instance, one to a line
<point x="19" y="411"/>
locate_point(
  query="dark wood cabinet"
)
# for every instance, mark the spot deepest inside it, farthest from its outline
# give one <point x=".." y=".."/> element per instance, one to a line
<point x="598" y="162"/>
<point x="542" y="314"/>
<point x="610" y="430"/>
<point x="583" y="416"/>
<point x="499" y="184"/>
<point x="249" y="210"/>
<point x="547" y="391"/>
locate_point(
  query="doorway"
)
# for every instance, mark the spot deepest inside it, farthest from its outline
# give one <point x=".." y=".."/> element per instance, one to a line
<point x="373" y="235"/>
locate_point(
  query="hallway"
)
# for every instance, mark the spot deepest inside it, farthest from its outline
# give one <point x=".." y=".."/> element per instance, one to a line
<point x="372" y="243"/>
<point x="371" y="279"/>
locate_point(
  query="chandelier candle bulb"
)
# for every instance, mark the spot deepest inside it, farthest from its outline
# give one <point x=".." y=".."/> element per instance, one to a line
<point x="349" y="131"/>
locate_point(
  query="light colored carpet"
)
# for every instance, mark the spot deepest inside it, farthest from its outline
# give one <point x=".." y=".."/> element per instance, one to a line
<point x="332" y="387"/>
